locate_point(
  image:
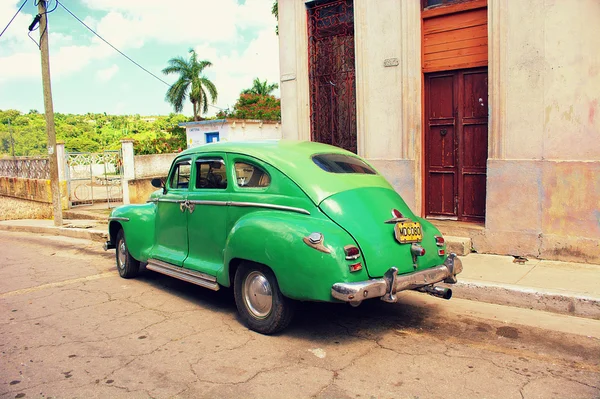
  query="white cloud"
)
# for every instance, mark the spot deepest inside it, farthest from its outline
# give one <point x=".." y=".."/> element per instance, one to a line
<point x="104" y="75"/>
<point x="235" y="72"/>
<point x="208" y="25"/>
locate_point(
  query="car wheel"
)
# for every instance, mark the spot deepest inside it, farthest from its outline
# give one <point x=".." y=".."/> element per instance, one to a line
<point x="259" y="301"/>
<point x="127" y="266"/>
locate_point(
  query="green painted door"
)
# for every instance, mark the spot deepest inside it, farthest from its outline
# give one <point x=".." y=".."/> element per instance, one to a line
<point x="171" y="217"/>
<point x="207" y="214"/>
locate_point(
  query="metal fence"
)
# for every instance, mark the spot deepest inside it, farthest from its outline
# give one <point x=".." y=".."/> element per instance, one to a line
<point x="94" y="177"/>
<point x="25" y="167"/>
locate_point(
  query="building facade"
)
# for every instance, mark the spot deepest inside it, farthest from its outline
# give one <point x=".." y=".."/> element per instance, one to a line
<point x="483" y="114"/>
<point x="209" y="131"/>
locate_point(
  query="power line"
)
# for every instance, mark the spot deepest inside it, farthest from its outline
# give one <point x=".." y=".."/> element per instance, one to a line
<point x="14" y="16"/>
<point x="114" y="48"/>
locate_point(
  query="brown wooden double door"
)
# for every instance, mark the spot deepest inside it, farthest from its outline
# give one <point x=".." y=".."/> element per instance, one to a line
<point x="456" y="142"/>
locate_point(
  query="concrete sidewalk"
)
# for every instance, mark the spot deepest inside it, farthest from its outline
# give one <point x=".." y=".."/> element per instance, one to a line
<point x="559" y="287"/>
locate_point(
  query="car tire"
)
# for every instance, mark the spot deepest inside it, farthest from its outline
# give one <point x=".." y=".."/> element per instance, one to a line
<point x="260" y="303"/>
<point x="127" y="266"/>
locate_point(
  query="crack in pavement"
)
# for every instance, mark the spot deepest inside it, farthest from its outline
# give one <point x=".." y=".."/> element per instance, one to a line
<point x="56" y="284"/>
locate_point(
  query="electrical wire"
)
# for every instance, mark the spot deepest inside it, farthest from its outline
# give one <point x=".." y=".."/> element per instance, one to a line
<point x="12" y="19"/>
<point x="119" y="51"/>
<point x="113" y="47"/>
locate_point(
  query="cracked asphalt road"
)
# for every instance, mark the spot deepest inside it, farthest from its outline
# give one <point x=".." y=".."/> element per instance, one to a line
<point x="70" y="327"/>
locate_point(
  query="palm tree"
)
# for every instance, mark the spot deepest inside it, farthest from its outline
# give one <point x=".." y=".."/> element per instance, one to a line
<point x="261" y="88"/>
<point x="191" y="83"/>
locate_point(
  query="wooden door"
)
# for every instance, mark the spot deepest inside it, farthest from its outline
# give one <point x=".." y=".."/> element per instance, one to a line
<point x="456" y="115"/>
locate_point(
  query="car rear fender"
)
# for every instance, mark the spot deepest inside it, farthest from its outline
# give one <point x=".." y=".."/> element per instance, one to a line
<point x="276" y="239"/>
<point x="137" y="221"/>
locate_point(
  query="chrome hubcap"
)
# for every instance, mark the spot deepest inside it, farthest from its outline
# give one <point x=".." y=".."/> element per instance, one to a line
<point x="258" y="295"/>
<point x="122" y="254"/>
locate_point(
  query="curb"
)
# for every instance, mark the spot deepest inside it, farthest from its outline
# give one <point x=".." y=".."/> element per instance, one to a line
<point x="568" y="303"/>
<point x="87" y="234"/>
<point x="572" y="304"/>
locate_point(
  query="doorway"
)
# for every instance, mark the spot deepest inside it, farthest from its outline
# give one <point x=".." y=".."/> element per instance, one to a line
<point x="456" y="142"/>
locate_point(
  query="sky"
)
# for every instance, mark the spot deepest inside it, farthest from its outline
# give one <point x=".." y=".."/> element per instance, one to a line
<point x="237" y="36"/>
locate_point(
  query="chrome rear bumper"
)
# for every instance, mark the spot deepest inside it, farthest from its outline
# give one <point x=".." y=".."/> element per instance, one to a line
<point x="387" y="287"/>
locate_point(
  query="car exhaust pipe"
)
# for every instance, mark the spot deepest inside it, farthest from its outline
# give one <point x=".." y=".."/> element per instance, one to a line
<point x="440" y="292"/>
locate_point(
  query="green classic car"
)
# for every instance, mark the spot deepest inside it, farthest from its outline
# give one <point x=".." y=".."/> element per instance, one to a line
<point x="279" y="222"/>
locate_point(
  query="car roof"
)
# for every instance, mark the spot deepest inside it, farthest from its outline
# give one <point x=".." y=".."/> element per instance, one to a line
<point x="294" y="159"/>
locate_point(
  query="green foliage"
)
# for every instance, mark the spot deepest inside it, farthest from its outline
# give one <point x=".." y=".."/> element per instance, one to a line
<point x="261" y="88"/>
<point x="90" y="132"/>
<point x="255" y="106"/>
<point x="191" y="84"/>
<point x="275" y="12"/>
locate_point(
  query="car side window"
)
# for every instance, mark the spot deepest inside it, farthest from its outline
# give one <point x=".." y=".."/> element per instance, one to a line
<point x="211" y="173"/>
<point x="181" y="175"/>
<point x="248" y="175"/>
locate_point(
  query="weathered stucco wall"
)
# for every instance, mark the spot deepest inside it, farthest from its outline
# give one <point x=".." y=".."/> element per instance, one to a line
<point x="140" y="190"/>
<point x="36" y="190"/>
<point x="152" y="165"/>
<point x="543" y="195"/>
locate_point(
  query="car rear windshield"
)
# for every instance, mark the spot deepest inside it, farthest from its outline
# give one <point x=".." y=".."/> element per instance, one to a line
<point x="339" y="163"/>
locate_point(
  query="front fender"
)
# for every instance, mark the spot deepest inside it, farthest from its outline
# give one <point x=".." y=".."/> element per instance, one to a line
<point x="137" y="221"/>
<point x="275" y="239"/>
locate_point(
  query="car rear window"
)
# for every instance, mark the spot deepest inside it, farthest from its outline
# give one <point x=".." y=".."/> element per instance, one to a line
<point x="339" y="163"/>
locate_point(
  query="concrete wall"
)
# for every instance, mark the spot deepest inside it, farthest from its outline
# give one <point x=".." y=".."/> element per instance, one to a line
<point x="543" y="187"/>
<point x="544" y="168"/>
<point x="140" y="190"/>
<point x="152" y="165"/>
<point x="37" y="190"/>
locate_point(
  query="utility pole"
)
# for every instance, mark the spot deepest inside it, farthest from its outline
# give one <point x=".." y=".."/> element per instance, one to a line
<point x="49" y="110"/>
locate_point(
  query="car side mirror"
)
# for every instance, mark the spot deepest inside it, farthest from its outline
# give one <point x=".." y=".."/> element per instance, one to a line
<point x="159" y="182"/>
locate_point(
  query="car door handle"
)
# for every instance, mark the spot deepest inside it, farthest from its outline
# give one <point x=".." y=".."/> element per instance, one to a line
<point x="187" y="205"/>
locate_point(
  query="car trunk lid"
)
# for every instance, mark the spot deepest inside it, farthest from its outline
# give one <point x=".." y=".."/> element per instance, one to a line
<point x="363" y="213"/>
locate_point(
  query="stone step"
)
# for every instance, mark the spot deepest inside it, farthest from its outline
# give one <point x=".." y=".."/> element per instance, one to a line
<point x="458" y="245"/>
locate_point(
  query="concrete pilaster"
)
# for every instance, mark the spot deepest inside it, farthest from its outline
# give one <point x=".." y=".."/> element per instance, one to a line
<point x="128" y="167"/>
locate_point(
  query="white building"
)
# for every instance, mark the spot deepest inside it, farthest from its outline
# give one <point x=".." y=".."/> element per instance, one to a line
<point x="209" y="131"/>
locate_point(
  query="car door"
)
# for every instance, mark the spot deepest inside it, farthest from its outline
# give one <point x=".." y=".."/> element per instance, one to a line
<point x="171" y="233"/>
<point x="207" y="214"/>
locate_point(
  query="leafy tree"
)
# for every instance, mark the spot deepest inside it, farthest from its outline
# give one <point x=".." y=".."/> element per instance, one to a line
<point x="275" y="12"/>
<point x="255" y="106"/>
<point x="261" y="88"/>
<point x="191" y="84"/>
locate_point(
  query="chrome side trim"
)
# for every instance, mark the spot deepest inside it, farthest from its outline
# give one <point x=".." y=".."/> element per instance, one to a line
<point x="191" y="276"/>
<point x="216" y="203"/>
<point x="170" y="200"/>
<point x="118" y="218"/>
<point x="155" y="200"/>
<point x="240" y="204"/>
<point x="387" y="287"/>
<point x="270" y="206"/>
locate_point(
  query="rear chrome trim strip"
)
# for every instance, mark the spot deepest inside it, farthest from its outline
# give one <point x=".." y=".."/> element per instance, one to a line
<point x="270" y="206"/>
<point x="122" y="219"/>
<point x="191" y="276"/>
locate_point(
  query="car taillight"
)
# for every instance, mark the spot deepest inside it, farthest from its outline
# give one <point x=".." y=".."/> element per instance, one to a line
<point x="441" y="252"/>
<point x="351" y="252"/>
<point x="396" y="213"/>
<point x="417" y="250"/>
<point x="439" y="241"/>
<point x="355" y="267"/>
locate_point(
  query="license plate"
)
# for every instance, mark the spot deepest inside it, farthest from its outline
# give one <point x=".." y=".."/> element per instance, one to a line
<point x="407" y="232"/>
